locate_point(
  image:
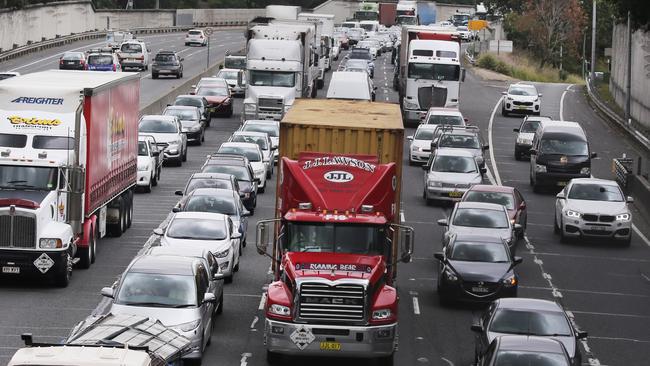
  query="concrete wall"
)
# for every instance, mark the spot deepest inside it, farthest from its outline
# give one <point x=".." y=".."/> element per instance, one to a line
<point x="214" y="16"/>
<point x="640" y="101"/>
<point x="125" y="19"/>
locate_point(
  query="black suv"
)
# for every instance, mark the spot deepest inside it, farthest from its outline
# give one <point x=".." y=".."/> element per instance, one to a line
<point x="167" y="63"/>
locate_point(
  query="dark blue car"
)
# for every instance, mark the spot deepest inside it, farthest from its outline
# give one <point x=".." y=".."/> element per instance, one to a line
<point x="103" y="62"/>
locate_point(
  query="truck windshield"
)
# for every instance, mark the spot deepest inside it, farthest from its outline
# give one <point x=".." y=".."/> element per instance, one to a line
<point x="366" y="15"/>
<point x="28" y="177"/>
<point x="273" y="78"/>
<point x="336" y="238"/>
<point x="434" y="71"/>
<point x="406" y="20"/>
<point x="12" y="140"/>
<point x="53" y="142"/>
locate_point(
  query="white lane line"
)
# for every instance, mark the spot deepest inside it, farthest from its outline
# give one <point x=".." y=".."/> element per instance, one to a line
<point x="562" y="102"/>
<point x="402" y="216"/>
<point x="620" y="339"/>
<point x="56" y="55"/>
<point x="244" y="357"/>
<point x="416" y="306"/>
<point x="255" y="320"/>
<point x="262" y="302"/>
<point x="637" y="316"/>
<point x="640" y="234"/>
<point x="604" y="293"/>
<point x="447" y="361"/>
<point x="492" y="159"/>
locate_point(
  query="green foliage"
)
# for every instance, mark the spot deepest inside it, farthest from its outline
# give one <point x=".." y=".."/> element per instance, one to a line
<point x="487" y="61"/>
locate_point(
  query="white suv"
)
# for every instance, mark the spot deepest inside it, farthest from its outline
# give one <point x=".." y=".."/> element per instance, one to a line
<point x="521" y="98"/>
<point x="196" y="36"/>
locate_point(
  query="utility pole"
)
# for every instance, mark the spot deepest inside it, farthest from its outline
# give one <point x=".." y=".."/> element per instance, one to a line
<point x="584" y="52"/>
<point x="628" y="86"/>
<point x="593" y="42"/>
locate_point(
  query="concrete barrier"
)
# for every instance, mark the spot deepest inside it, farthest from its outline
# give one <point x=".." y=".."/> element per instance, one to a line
<point x="639" y="188"/>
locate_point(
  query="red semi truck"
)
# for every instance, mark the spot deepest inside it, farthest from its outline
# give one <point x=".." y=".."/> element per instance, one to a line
<point x="68" y="167"/>
<point x="337" y="238"/>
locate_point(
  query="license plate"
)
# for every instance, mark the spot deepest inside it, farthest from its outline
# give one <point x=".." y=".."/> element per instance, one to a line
<point x="70" y="63"/>
<point x="330" y="346"/>
<point x="521" y="108"/>
<point x="11" y="270"/>
<point x="480" y="289"/>
<point x="598" y="228"/>
<point x="561" y="184"/>
<point x="455" y="194"/>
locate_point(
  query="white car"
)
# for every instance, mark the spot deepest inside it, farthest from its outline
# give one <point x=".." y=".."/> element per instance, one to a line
<point x="521" y="98"/>
<point x="272" y="128"/>
<point x="465" y="33"/>
<point x="168" y="132"/>
<point x="148" y="168"/>
<point x="263" y="140"/>
<point x="449" y="174"/>
<point x="591" y="207"/>
<point x="255" y="157"/>
<point x="212" y="231"/>
<point x="444" y="116"/>
<point x="134" y="54"/>
<point x="351" y="85"/>
<point x="232" y="76"/>
<point x="420" y="144"/>
<point x="196" y="36"/>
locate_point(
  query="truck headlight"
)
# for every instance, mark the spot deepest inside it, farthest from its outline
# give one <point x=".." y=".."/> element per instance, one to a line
<point x="249" y="107"/>
<point x="280" y="310"/>
<point x="540" y="168"/>
<point x="623" y="217"/>
<point x="585" y="171"/>
<point x="409" y="105"/>
<point x="189" y="326"/>
<point x="381" y="314"/>
<point x="50" y="243"/>
<point x="222" y="254"/>
<point x="510" y="281"/>
<point x="571" y="213"/>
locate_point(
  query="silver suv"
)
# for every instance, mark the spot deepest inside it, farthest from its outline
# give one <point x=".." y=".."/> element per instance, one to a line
<point x="449" y="174"/>
<point x="466" y="138"/>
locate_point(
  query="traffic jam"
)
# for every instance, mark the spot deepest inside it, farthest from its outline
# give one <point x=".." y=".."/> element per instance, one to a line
<point x="298" y="169"/>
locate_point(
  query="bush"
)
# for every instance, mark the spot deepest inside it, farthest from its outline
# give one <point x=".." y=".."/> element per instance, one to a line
<point x="503" y="68"/>
<point x="487" y="61"/>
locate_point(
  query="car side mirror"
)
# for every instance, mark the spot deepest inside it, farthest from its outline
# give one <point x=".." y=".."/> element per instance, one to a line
<point x="532" y="152"/>
<point x="483" y="170"/>
<point x="374" y="88"/>
<point x="443" y="222"/>
<point x="246" y="213"/>
<point x="522" y="206"/>
<point x="193" y="86"/>
<point x="517" y="260"/>
<point x="515" y="130"/>
<point x="218" y="276"/>
<point x="518" y="227"/>
<point x="158" y="231"/>
<point x="220" y="66"/>
<point x="192" y="92"/>
<point x="439" y="256"/>
<point x="258" y="181"/>
<point x="560" y="195"/>
<point x="477" y="328"/>
<point x="108" y="292"/>
<point x="486" y="147"/>
<point x="179" y="193"/>
<point x="504" y="93"/>
<point x="176" y="209"/>
<point x="593" y="155"/>
<point x="466" y="120"/>
<point x="581" y="334"/>
<point x="182" y="59"/>
<point x="410" y="138"/>
<point x="426" y="167"/>
<point x="630" y="199"/>
<point x="235" y="235"/>
<point x="539" y="95"/>
<point x="169" y="105"/>
<point x="156" y="153"/>
<point x="209" y="297"/>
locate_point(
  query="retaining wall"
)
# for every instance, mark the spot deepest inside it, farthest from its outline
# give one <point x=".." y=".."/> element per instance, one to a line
<point x="126" y="19"/>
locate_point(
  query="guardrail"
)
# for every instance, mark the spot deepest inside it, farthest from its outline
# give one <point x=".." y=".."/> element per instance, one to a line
<point x="622" y="169"/>
<point x="38" y="46"/>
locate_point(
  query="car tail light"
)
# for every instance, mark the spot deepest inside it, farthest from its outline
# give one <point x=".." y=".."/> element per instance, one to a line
<point x="201" y="37"/>
<point x="114" y="67"/>
<point x="61" y="62"/>
<point x="141" y="58"/>
<point x="82" y="62"/>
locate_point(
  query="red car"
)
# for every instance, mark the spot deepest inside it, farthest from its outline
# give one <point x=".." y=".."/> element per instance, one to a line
<point x="218" y="97"/>
<point x="503" y="195"/>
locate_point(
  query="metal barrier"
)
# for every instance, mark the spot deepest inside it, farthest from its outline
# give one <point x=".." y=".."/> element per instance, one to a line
<point x="623" y="169"/>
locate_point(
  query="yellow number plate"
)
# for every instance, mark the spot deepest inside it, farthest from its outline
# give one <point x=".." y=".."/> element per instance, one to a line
<point x="455" y="194"/>
<point x="330" y="346"/>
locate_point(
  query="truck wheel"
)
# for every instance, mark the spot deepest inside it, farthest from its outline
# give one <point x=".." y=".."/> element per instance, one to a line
<point x="86" y="254"/>
<point x="273" y="358"/>
<point x="62" y="279"/>
<point x="320" y="83"/>
<point x="386" y="361"/>
<point x="116" y="230"/>
<point x="129" y="217"/>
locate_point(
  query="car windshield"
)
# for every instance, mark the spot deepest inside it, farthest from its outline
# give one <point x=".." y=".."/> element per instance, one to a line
<point x="360" y="55"/>
<point x="235" y="62"/>
<point x="197" y="229"/>
<point x="194" y="33"/>
<point x="530" y="322"/>
<point x="459" y="141"/>
<point x="192" y="102"/>
<point x="100" y="60"/>
<point x="365" y="44"/>
<point x="362" y="64"/>
<point x="478" y="217"/>
<point x="240" y="172"/>
<point x="368" y="27"/>
<point x="157" y="290"/>
<point x="12" y="140"/>
<point x="500" y="198"/>
<point x="423" y="134"/>
<point x="186" y="114"/>
<point x="530" y="126"/>
<point x="454" y="164"/>
<point x="252" y="154"/>
<point x="523" y="91"/>
<point x="270" y="129"/>
<point x="157" y="126"/>
<point x="272" y="78"/>
<point x="441" y="119"/>
<point x="28" y="177"/>
<point x="563" y="147"/>
<point x="142" y="149"/>
<point x="530" y="358"/>
<point x="131" y="48"/>
<point x="227" y="74"/>
<point x="335" y="238"/>
<point x="595" y="192"/>
<point x="211" y="204"/>
<point x="433" y="71"/>
<point x="208" y="183"/>
<point x="165" y="58"/>
<point x="477" y="252"/>
<point x="259" y="140"/>
<point x="212" y="91"/>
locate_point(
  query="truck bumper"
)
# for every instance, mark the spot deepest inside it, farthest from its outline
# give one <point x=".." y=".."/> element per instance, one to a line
<point x="24" y="262"/>
<point x="370" y="341"/>
<point x="262" y="115"/>
<point x="414" y="116"/>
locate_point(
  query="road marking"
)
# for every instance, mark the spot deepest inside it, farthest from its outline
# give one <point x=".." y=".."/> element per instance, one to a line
<point x="56" y="55"/>
<point x="244" y="356"/>
<point x="492" y="159"/>
<point x="262" y="302"/>
<point x="604" y="293"/>
<point x="640" y="234"/>
<point x="447" y="361"/>
<point x="568" y="256"/>
<point x="402" y="216"/>
<point x="621" y="339"/>
<point x="416" y="306"/>
<point x="562" y="102"/>
<point x="637" y="316"/>
<point x="255" y="320"/>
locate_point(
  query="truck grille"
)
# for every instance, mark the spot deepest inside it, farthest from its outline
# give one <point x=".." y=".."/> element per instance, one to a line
<point x="432" y="96"/>
<point x="337" y="303"/>
<point x="270" y="105"/>
<point x="17" y="231"/>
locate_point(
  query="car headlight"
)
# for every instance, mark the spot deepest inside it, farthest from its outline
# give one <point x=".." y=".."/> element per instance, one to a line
<point x="433" y="183"/>
<point x="540" y="168"/>
<point x="381" y="314"/>
<point x="174" y="143"/>
<point x="280" y="310"/>
<point x="247" y="195"/>
<point x="189" y="326"/>
<point x="536" y="100"/>
<point x="250" y="107"/>
<point x="195" y="128"/>
<point x="623" y="217"/>
<point x="585" y="171"/>
<point x="410" y="105"/>
<point x="510" y="281"/>
<point x="143" y="167"/>
<point x="450" y="276"/>
<point x="259" y="171"/>
<point x="50" y="243"/>
<point x="523" y="141"/>
<point x="571" y="213"/>
<point x="416" y="148"/>
<point x="222" y="254"/>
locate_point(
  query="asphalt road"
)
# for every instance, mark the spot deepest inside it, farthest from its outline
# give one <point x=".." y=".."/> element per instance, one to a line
<point x="605" y="287"/>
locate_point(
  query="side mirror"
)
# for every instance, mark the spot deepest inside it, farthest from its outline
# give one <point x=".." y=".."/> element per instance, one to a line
<point x="581" y="334"/>
<point x="443" y="222"/>
<point x="504" y="93"/>
<point x="264" y="237"/>
<point x="155" y="153"/>
<point x="518" y="227"/>
<point x="466" y="120"/>
<point x="218" y="276"/>
<point x="258" y="181"/>
<point x="515" y="130"/>
<point x="246" y="213"/>
<point x="483" y="170"/>
<point x="179" y="193"/>
<point x="532" y="152"/>
<point x="517" y="260"/>
<point x="593" y="155"/>
<point x="209" y="297"/>
<point x="410" y="138"/>
<point x="220" y="66"/>
<point x="182" y="59"/>
<point x="192" y="92"/>
<point x="158" y="231"/>
<point x="462" y="75"/>
<point x="176" y="209"/>
<point x="486" y="147"/>
<point x="522" y="206"/>
<point x="630" y="199"/>
<point x="539" y="95"/>
<point x="108" y="292"/>
<point x="374" y="88"/>
<point x="169" y="105"/>
<point x="477" y="328"/>
<point x="426" y="167"/>
<point x="560" y="195"/>
<point x="439" y="256"/>
<point x="408" y="241"/>
<point x="235" y="235"/>
<point x="193" y="86"/>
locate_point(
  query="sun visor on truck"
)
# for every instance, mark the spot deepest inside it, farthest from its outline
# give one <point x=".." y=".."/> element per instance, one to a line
<point x="342" y="182"/>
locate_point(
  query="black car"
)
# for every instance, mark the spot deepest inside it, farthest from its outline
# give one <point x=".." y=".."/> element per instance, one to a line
<point x="195" y="101"/>
<point x="192" y="122"/>
<point x="72" y="61"/>
<point x="242" y="170"/>
<point x="167" y="63"/>
<point x="531" y="317"/>
<point x="210" y="180"/>
<point x="560" y="152"/>
<point x="476" y="268"/>
<point x="524" y="350"/>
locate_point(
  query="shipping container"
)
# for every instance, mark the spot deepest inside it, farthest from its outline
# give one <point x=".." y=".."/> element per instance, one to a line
<point x="387" y="13"/>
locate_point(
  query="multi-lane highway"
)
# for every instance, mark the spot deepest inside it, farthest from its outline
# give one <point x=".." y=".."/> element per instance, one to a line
<point x="604" y="287"/>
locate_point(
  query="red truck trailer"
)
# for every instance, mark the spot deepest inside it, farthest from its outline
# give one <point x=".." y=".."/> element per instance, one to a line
<point x="68" y="168"/>
<point x="387" y="13"/>
<point x="337" y="237"/>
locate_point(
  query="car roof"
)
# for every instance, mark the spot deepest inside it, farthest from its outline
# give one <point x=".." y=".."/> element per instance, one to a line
<point x="525" y="85"/>
<point x="262" y="122"/>
<point x="444" y="111"/>
<point x="183" y="251"/>
<point x="216" y="192"/>
<point x="228" y="69"/>
<point x="249" y="145"/>
<point x="446" y="151"/>
<point x="608" y="182"/>
<point x="181" y="107"/>
<point x="530" y="343"/>
<point x="481" y="205"/>
<point x="426" y="127"/>
<point x="537" y="118"/>
<point x="189" y="96"/>
<point x="524" y="303"/>
<point x="462" y="132"/>
<point x="158" y="117"/>
<point x="464" y="237"/>
<point x="492" y="188"/>
<point x="199" y="215"/>
<point x="251" y="133"/>
<point x="169" y="264"/>
<point x="573" y="128"/>
<point x="212" y="176"/>
<point x="166" y="52"/>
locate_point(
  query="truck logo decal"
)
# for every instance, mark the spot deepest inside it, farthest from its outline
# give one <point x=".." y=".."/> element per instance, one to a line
<point x="331" y="300"/>
<point x="38" y="100"/>
<point x="16" y="120"/>
<point x="338" y="176"/>
<point x="338" y="160"/>
<point x="333" y="267"/>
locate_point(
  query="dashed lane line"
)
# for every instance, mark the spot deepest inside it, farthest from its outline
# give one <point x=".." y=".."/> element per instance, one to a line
<point x="416" y="306"/>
